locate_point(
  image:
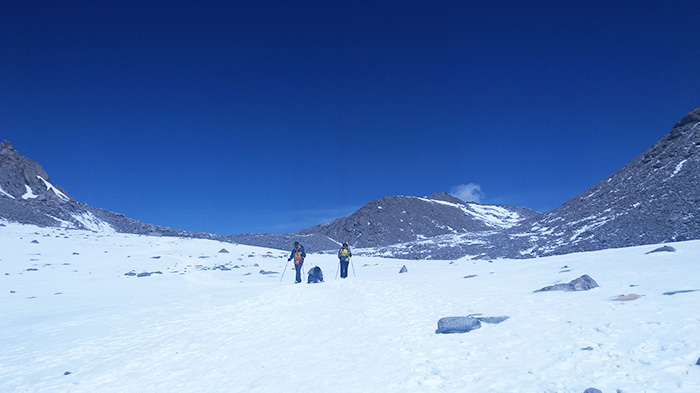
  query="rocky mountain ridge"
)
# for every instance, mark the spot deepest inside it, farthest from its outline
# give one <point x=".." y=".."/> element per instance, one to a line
<point x="23" y="178"/>
<point x="27" y="196"/>
<point x="653" y="199"/>
<point x="398" y="220"/>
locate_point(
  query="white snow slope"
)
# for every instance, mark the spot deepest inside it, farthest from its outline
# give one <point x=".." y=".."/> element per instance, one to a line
<point x="71" y="321"/>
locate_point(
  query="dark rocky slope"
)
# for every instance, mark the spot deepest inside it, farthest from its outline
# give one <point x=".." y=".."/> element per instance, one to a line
<point x="27" y="196"/>
<point x="653" y="199"/>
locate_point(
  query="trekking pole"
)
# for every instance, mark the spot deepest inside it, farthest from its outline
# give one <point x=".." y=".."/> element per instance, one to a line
<point x="353" y="269"/>
<point x="285" y="269"/>
<point x="337" y="270"/>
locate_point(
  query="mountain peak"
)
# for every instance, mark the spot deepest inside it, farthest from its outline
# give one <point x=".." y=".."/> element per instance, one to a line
<point x="443" y="196"/>
<point x="692" y="117"/>
<point x="23" y="178"/>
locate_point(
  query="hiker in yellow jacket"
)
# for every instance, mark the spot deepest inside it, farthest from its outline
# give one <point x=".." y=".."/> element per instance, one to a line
<point x="344" y="255"/>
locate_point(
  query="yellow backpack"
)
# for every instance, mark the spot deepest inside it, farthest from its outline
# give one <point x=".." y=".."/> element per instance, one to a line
<point x="297" y="256"/>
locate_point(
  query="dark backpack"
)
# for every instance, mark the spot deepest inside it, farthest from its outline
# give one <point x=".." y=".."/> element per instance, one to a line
<point x="315" y="275"/>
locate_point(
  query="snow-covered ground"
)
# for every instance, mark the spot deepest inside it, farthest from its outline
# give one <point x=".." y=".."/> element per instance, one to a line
<point x="72" y="321"/>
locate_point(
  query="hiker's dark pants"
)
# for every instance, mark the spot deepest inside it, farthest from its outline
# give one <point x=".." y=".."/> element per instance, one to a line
<point x="344" y="268"/>
<point x="298" y="268"/>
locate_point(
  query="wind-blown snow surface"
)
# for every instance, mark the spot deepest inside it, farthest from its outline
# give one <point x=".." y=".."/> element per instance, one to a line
<point x="71" y="321"/>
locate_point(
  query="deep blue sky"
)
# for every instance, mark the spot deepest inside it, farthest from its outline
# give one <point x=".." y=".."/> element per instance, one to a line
<point x="273" y="116"/>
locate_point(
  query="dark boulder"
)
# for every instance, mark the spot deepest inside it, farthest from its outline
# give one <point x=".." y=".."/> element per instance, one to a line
<point x="582" y="283"/>
<point x="457" y="325"/>
<point x="403" y="269"/>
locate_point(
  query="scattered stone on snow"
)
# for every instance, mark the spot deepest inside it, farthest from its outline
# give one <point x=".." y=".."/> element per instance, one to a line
<point x="698" y="362"/>
<point x="662" y="249"/>
<point x="587" y="349"/>
<point x="470" y="276"/>
<point x="142" y="274"/>
<point x="156" y="257"/>
<point x="592" y="390"/>
<point x="625" y="298"/>
<point x="221" y="267"/>
<point x="264" y="273"/>
<point x="403" y="269"/>
<point x="582" y="283"/>
<point x="75" y="253"/>
<point x="223" y="251"/>
<point x="448" y="325"/>
<point x="67" y="373"/>
<point x="681" y="291"/>
<point x="34" y="242"/>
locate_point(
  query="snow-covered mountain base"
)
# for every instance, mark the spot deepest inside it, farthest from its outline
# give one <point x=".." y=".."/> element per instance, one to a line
<point x="72" y="320"/>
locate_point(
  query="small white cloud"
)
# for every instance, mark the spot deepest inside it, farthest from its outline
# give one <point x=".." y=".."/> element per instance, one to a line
<point x="468" y="192"/>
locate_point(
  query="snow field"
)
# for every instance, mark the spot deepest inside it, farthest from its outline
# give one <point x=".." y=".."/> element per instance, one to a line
<point x="196" y="330"/>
